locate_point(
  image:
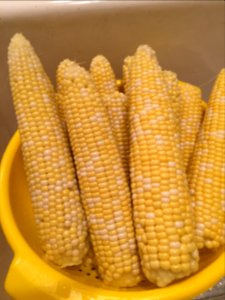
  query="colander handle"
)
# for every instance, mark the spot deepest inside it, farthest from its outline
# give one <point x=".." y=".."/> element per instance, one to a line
<point x="25" y="281"/>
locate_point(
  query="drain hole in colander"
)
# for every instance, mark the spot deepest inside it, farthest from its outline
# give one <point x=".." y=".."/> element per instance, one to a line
<point x="97" y="277"/>
<point x="88" y="274"/>
<point x="80" y="270"/>
<point x="93" y="268"/>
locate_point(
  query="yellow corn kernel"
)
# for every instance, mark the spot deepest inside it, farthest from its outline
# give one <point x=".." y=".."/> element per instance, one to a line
<point x="158" y="179"/>
<point x="58" y="213"/>
<point x="191" y="113"/>
<point x="207" y="171"/>
<point x="115" y="103"/>
<point x="104" y="187"/>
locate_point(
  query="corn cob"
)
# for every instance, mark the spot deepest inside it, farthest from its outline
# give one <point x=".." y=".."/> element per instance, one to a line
<point x="161" y="200"/>
<point x="58" y="213"/>
<point x="104" y="187"/>
<point x="207" y="171"/>
<point x="103" y="75"/>
<point x="126" y="74"/>
<point x="59" y="76"/>
<point x="191" y="113"/>
<point x="89" y="260"/>
<point x="174" y="95"/>
<point x="115" y="103"/>
<point x="170" y="80"/>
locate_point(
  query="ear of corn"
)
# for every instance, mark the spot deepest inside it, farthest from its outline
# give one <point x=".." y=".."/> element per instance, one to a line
<point x="117" y="109"/>
<point x="59" y="100"/>
<point x="161" y="201"/>
<point x="191" y="113"/>
<point x="126" y="74"/>
<point x="115" y="103"/>
<point x="103" y="75"/>
<point x="207" y="171"/>
<point x="104" y="187"/>
<point x="127" y="66"/>
<point x="59" y="216"/>
<point x="174" y="96"/>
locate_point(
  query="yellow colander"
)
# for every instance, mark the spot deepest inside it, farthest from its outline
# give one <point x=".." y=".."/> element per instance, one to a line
<point x="32" y="278"/>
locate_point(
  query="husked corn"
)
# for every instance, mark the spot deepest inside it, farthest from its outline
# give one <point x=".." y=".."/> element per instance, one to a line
<point x="174" y="96"/>
<point x="191" y="113"/>
<point x="58" y="213"/>
<point x="126" y="74"/>
<point x="102" y="180"/>
<point x="115" y="103"/>
<point x="161" y="200"/>
<point x="118" y="115"/>
<point x="103" y="75"/>
<point x="59" y="76"/>
<point x="207" y="171"/>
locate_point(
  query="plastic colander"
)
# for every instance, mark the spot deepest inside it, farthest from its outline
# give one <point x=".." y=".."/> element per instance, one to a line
<point x="31" y="278"/>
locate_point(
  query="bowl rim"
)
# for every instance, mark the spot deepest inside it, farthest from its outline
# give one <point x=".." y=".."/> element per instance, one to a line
<point x="185" y="289"/>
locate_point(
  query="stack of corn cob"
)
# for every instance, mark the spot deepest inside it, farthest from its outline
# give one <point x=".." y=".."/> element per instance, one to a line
<point x="133" y="180"/>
